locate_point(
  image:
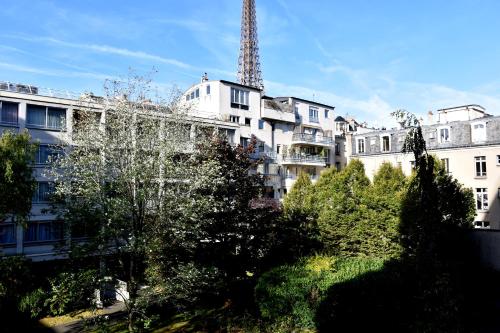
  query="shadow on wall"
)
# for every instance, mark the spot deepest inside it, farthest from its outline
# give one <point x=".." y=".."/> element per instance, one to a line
<point x="437" y="285"/>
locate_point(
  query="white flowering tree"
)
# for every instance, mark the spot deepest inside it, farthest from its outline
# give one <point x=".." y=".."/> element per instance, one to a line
<point x="122" y="163"/>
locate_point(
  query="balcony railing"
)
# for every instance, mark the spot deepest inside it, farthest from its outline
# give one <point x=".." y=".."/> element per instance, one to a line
<point x="305" y="159"/>
<point x="305" y="137"/>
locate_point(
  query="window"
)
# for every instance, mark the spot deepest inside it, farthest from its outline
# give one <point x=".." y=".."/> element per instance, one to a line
<point x="261" y="124"/>
<point x="327" y="113"/>
<point x="361" y="145"/>
<point x="386" y="143"/>
<point x="372" y="142"/>
<point x="7" y="233"/>
<point x="444" y="134"/>
<point x="432" y="135"/>
<point x="234" y="119"/>
<point x="478" y="132"/>
<point x="337" y="166"/>
<point x="480" y="166"/>
<point x="47" y="154"/>
<point x="446" y="164"/>
<point x="337" y="149"/>
<point x="228" y="134"/>
<point x="208" y="89"/>
<point x="43" y="231"/>
<point x="45" y="117"/>
<point x="498" y="159"/>
<point x="278" y="149"/>
<point x="261" y="147"/>
<point x="313" y="115"/>
<point x="481" y="224"/>
<point x="42" y="192"/>
<point x="9" y="113"/>
<point x="239" y="99"/>
<point x="481" y="198"/>
<point x="244" y="142"/>
<point x="247" y="121"/>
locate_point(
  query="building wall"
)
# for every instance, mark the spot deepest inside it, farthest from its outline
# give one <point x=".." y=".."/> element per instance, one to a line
<point x="459" y="151"/>
<point x="13" y="238"/>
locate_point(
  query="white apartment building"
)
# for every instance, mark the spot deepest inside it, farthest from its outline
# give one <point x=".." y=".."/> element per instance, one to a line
<point x="465" y="138"/>
<point x="47" y="114"/>
<point x="294" y="135"/>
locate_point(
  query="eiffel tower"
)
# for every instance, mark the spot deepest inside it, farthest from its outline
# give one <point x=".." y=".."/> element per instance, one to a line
<point x="249" y="72"/>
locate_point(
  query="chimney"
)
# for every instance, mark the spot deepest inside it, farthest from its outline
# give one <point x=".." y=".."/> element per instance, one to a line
<point x="430" y="117"/>
<point x="204" y="77"/>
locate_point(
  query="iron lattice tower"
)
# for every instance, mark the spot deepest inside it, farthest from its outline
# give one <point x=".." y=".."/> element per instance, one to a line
<point x="249" y="73"/>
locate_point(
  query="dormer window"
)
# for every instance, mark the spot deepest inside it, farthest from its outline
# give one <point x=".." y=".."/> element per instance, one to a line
<point x="444" y="134"/>
<point x="385" y="143"/>
<point x="478" y="132"/>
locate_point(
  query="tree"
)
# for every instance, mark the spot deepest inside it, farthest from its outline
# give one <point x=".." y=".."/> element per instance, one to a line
<point x="113" y="182"/>
<point x="17" y="154"/>
<point x="224" y="219"/>
<point x="299" y="234"/>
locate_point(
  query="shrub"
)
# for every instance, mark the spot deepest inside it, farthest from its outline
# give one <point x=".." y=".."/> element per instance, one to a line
<point x="291" y="294"/>
<point x="33" y="303"/>
<point x="71" y="291"/>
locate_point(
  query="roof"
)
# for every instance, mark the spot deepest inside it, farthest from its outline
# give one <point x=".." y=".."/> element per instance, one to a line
<point x="240" y="85"/>
<point x="340" y="118"/>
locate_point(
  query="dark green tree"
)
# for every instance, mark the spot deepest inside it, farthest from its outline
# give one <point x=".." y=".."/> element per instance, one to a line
<point x="17" y="183"/>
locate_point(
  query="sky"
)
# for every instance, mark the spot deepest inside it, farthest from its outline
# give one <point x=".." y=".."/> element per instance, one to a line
<point x="366" y="58"/>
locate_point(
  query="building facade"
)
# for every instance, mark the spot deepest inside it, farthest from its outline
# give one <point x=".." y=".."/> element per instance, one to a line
<point x="467" y="141"/>
<point x="49" y="116"/>
<point x="294" y="135"/>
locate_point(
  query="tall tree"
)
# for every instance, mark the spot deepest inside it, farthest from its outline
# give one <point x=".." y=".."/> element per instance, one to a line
<point x="17" y="154"/>
<point x="112" y="183"/>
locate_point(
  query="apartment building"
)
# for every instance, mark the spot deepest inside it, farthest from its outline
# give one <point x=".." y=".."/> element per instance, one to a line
<point x="294" y="135"/>
<point x="465" y="138"/>
<point x="47" y="115"/>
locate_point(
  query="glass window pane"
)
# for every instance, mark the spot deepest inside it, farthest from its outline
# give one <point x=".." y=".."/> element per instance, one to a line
<point x="56" y="118"/>
<point x="36" y="115"/>
<point x="9" y="112"/>
<point x="7" y="234"/>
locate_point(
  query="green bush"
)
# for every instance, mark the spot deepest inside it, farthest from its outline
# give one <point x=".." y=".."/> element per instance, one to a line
<point x="291" y="294"/>
<point x="71" y="291"/>
<point x="33" y="303"/>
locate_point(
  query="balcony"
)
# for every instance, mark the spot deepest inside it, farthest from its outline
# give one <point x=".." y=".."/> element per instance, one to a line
<point x="311" y="139"/>
<point x="277" y="111"/>
<point x="312" y="160"/>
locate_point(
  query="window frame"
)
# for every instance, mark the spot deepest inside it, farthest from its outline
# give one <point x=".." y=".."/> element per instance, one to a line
<point x="46" y="126"/>
<point x="40" y="197"/>
<point x="447" y="138"/>
<point x="358" y="146"/>
<point x="382" y="146"/>
<point x="474" y="131"/>
<point x="313" y="114"/>
<point x="240" y="99"/>
<point x="481" y="194"/>
<point x="480" y="166"/>
<point x="55" y="152"/>
<point x="8" y="123"/>
<point x="55" y="227"/>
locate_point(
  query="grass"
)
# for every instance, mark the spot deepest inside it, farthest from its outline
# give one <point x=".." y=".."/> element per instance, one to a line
<point x="70" y="317"/>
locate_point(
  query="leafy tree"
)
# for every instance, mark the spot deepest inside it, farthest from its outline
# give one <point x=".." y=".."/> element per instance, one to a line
<point x="17" y="183"/>
<point x="435" y="211"/>
<point x="356" y="217"/>
<point x="298" y="225"/>
<point x="113" y="183"/>
<point x="228" y="226"/>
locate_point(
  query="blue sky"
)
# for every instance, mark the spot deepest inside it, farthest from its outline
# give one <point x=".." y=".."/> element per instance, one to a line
<point x="367" y="58"/>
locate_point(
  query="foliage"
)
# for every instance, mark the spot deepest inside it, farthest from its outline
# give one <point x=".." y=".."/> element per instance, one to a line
<point x="217" y="232"/>
<point x="356" y="217"/>
<point x="33" y="303"/>
<point x="17" y="155"/>
<point x="291" y="294"/>
<point x="71" y="291"/>
<point x="298" y="227"/>
<point x="111" y="185"/>
<point x="15" y="278"/>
